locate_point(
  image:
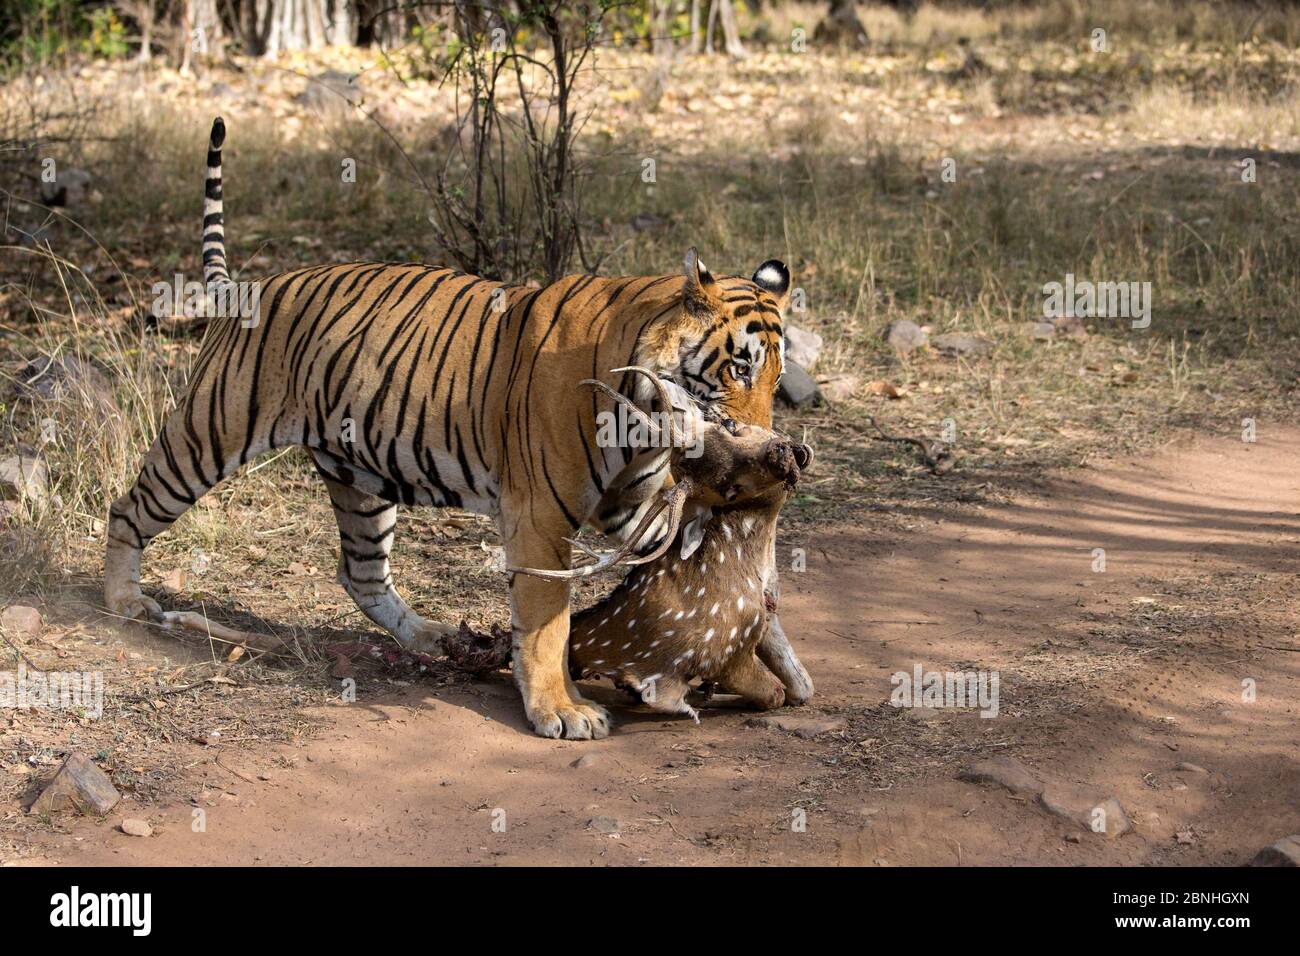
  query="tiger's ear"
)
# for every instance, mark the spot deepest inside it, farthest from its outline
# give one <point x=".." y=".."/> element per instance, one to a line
<point x="702" y="295"/>
<point x="772" y="276"/>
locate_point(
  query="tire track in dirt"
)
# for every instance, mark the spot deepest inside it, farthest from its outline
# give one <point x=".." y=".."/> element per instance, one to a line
<point x="1108" y="681"/>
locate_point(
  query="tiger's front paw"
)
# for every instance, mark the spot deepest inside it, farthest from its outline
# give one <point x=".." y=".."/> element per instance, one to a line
<point x="571" y="720"/>
<point x="137" y="607"/>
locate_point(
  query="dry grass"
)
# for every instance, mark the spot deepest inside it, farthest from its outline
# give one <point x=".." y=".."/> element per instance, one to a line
<point x="1114" y="167"/>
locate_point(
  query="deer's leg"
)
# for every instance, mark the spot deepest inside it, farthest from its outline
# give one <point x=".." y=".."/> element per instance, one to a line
<point x="745" y="675"/>
<point x="539" y="610"/>
<point x="667" y="695"/>
<point x="775" y="651"/>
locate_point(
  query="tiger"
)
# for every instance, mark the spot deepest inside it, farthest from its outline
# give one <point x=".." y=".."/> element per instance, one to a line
<point x="410" y="384"/>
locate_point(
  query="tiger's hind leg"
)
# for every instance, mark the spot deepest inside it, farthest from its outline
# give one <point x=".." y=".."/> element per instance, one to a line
<point x="173" y="477"/>
<point x="366" y="526"/>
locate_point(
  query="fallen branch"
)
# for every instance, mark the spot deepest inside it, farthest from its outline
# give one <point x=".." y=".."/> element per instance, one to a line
<point x="938" y="457"/>
<point x="213" y="631"/>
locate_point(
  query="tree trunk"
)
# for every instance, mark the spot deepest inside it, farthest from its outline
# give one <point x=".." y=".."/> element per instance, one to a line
<point x="730" y="32"/>
<point x="145" y="14"/>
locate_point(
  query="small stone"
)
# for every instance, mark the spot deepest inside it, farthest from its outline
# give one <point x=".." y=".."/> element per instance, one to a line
<point x="333" y="92"/>
<point x="1105" y="814"/>
<point x="1285" y="852"/>
<point x="1005" y="772"/>
<point x="79" y="783"/>
<point x="1040" y="331"/>
<point x="797" y="387"/>
<point x="1070" y="326"/>
<point x="21" y="619"/>
<point x="606" y="825"/>
<point x="905" y="335"/>
<point x="805" y="727"/>
<point x="838" y="388"/>
<point x="1186" y="767"/>
<point x="136" y="828"/>
<point x="24" y="476"/>
<point x="802" y="347"/>
<point x="647" y="222"/>
<point x="960" y="343"/>
<point x="70" y="188"/>
<point x="66" y="377"/>
<point x="583" y="762"/>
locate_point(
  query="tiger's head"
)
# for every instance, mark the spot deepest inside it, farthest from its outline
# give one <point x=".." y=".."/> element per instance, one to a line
<point x="726" y="346"/>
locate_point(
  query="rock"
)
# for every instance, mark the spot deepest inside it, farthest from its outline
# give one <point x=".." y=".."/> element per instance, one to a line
<point x="583" y="762"/>
<point x="24" y="476"/>
<point x="1191" y="768"/>
<point x="71" y="187"/>
<point x="838" y="388"/>
<point x="1078" y="807"/>
<point x="1070" y="326"/>
<point x="1285" y="852"/>
<point x="960" y="343"/>
<point x="136" y="828"/>
<point x="57" y="378"/>
<point x="884" y="389"/>
<point x="1005" y="772"/>
<point x="1040" y="331"/>
<point x="905" y="335"/>
<point x="333" y="92"/>
<point x="802" y="347"/>
<point x="607" y="825"/>
<point x="841" y="27"/>
<point x="647" y="222"/>
<point x="78" y="785"/>
<point x="805" y="727"/>
<point x="21" y="619"/>
<point x="797" y="389"/>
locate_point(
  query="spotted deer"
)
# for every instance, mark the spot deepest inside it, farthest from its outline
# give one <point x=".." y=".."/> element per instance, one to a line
<point x="700" y="605"/>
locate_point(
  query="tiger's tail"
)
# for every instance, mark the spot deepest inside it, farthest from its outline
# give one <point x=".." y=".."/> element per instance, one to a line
<point x="214" y="228"/>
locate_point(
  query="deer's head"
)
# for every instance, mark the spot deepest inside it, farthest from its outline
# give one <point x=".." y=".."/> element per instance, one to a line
<point x="713" y="464"/>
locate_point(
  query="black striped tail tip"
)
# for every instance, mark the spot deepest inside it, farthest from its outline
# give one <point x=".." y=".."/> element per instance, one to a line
<point x="218" y="133"/>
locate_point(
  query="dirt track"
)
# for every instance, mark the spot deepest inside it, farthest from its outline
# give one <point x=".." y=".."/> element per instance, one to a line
<point x="1108" y="681"/>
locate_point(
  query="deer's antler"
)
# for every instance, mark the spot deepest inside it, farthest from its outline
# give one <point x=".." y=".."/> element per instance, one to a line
<point x="674" y="500"/>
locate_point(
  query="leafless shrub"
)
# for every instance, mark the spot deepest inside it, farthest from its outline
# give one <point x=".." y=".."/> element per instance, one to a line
<point x="506" y="199"/>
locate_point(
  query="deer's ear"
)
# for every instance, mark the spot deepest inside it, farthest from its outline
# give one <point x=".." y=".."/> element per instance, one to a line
<point x="772" y="276"/>
<point x="702" y="295"/>
<point x="693" y="530"/>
